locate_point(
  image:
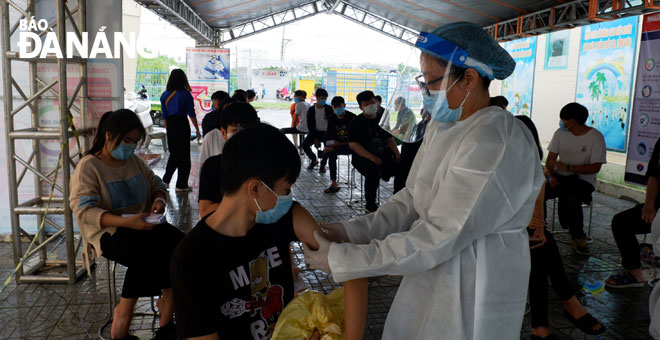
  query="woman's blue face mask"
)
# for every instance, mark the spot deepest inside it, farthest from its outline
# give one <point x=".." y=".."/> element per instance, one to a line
<point x="123" y="151"/>
<point x="280" y="209"/>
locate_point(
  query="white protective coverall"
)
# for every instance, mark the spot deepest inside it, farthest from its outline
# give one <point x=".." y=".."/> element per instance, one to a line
<point x="456" y="233"/>
<point x="654" y="298"/>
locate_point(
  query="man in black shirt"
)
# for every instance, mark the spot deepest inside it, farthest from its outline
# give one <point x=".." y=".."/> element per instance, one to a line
<point x="636" y="220"/>
<point x="375" y="154"/>
<point x="231" y="275"/>
<point x="236" y="116"/>
<point x="317" y="123"/>
<point x="337" y="138"/>
<point x="210" y="121"/>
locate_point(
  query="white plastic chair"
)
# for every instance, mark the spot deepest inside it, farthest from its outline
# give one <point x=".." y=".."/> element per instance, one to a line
<point x="153" y="132"/>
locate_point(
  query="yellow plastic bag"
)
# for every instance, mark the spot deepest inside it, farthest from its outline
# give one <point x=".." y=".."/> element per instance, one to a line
<point x="309" y="311"/>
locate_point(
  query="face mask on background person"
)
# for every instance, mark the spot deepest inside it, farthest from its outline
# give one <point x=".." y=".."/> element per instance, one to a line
<point x="339" y="111"/>
<point x="370" y="110"/>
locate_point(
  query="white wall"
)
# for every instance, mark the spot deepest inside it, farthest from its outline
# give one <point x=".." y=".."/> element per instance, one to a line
<point x="130" y="23"/>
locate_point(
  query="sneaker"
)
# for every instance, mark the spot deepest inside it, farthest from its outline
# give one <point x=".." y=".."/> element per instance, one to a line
<point x="322" y="169"/>
<point x="312" y="165"/>
<point x="371" y="208"/>
<point x="186" y="189"/>
<point x="167" y="332"/>
<point x="580" y="247"/>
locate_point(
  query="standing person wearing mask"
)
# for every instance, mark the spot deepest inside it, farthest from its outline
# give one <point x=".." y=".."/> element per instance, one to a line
<point x="317" y="123"/>
<point x="374" y="150"/>
<point x="456" y="232"/>
<point x="177" y="105"/>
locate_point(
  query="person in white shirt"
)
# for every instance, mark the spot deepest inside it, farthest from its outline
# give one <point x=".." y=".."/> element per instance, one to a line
<point x="298" y="117"/>
<point x="317" y="125"/>
<point x="576" y="153"/>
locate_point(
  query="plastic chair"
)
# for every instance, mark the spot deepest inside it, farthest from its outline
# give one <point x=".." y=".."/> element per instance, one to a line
<point x="554" y="212"/>
<point x="112" y="299"/>
<point x="152" y="132"/>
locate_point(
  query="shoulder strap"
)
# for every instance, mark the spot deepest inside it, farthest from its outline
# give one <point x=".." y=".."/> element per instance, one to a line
<point x="170" y="97"/>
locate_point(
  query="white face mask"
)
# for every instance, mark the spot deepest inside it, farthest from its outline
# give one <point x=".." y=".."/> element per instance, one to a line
<point x="370" y="110"/>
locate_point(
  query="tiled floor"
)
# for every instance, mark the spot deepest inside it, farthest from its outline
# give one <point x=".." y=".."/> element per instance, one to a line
<point x="49" y="311"/>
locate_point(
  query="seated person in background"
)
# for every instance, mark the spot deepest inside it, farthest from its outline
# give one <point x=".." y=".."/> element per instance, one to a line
<point x="240" y="96"/>
<point x="576" y="153"/>
<point x="500" y="101"/>
<point x="381" y="109"/>
<point x="298" y="118"/>
<point x="634" y="221"/>
<point x="375" y="154"/>
<point x="231" y="274"/>
<point x="337" y="138"/>
<point x="317" y="123"/>
<point x="219" y="99"/>
<point x="235" y="117"/>
<point x="405" y="120"/>
<point x="251" y="95"/>
<point x="409" y="151"/>
<point x="110" y="181"/>
<point x="213" y="142"/>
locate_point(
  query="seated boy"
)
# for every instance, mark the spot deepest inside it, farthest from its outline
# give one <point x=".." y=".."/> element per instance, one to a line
<point x="236" y="116"/>
<point x="375" y="154"/>
<point x="337" y="138"/>
<point x="231" y="275"/>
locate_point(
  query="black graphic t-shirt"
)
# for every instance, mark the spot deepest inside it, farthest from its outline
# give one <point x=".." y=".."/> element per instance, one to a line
<point x="338" y="128"/>
<point x="233" y="286"/>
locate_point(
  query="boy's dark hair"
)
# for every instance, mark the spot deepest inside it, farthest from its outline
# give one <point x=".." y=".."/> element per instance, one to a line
<point x="177" y="81"/>
<point x="364" y="96"/>
<point x="239" y="96"/>
<point x="222" y="96"/>
<point x="299" y="93"/>
<point x="321" y="93"/>
<point x="574" y="111"/>
<point x="337" y="100"/>
<point x="261" y="152"/>
<point x="379" y="99"/>
<point x="250" y="94"/>
<point x="238" y="114"/>
<point x="500" y="101"/>
<point x="119" y="123"/>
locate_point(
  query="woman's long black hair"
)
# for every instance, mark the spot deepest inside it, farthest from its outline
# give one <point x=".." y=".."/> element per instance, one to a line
<point x="119" y="123"/>
<point x="178" y="81"/>
<point x="532" y="128"/>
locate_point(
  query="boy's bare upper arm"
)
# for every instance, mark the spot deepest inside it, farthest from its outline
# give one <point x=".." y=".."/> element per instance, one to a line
<point x="304" y="225"/>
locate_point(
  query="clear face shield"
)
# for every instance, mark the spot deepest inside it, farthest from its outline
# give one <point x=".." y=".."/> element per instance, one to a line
<point x="415" y="101"/>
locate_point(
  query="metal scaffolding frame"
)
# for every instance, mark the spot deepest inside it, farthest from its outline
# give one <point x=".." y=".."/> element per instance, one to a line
<point x="179" y="14"/>
<point x="569" y="15"/>
<point x="33" y="265"/>
<point x="374" y="22"/>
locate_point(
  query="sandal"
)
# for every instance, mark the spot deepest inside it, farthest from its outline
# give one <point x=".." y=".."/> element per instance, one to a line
<point x="331" y="190"/>
<point x="586" y="323"/>
<point x="312" y="165"/>
<point x="624" y="280"/>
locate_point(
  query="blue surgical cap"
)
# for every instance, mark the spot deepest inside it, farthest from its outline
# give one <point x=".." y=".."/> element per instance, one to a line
<point x="468" y="46"/>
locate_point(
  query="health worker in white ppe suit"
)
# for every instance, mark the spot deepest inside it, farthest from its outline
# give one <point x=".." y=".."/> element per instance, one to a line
<point x="456" y="232"/>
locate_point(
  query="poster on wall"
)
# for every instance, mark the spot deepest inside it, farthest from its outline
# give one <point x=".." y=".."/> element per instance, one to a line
<point x="556" y="50"/>
<point x="645" y="119"/>
<point x="208" y="71"/>
<point x="605" y="73"/>
<point x="519" y="87"/>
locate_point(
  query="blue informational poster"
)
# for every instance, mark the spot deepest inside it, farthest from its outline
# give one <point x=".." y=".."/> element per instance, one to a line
<point x="519" y="87"/>
<point x="645" y="119"/>
<point x="605" y="73"/>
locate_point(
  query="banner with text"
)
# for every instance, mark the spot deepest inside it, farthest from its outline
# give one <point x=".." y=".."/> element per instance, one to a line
<point x="605" y="73"/>
<point x="208" y="71"/>
<point x="519" y="87"/>
<point x="645" y="120"/>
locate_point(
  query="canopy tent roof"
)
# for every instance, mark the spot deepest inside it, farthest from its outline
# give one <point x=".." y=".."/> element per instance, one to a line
<point x="214" y="22"/>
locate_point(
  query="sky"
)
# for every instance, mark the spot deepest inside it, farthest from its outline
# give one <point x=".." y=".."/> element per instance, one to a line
<point x="322" y="39"/>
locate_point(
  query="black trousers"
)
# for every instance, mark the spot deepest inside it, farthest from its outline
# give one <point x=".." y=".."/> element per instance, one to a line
<point x="408" y="153"/>
<point x="178" y="141"/>
<point x="572" y="192"/>
<point x="373" y="173"/>
<point x="309" y="141"/>
<point x="146" y="255"/>
<point x="546" y="263"/>
<point x="332" y="157"/>
<point x="625" y="225"/>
